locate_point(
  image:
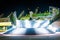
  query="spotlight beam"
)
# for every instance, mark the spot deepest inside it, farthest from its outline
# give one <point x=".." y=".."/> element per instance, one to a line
<point x="37" y="23"/>
<point x="19" y="31"/>
<point x="41" y="31"/>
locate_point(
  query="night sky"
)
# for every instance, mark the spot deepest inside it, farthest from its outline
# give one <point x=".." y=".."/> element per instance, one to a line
<point x="7" y="6"/>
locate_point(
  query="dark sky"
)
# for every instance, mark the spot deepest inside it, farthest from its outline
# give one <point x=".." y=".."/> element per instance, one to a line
<point x="11" y="5"/>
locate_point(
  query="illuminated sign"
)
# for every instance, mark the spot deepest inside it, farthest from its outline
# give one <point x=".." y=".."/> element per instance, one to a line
<point x="5" y="22"/>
